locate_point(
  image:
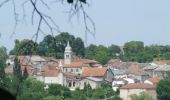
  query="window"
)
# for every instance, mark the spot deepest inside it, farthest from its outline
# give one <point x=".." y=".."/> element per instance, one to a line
<point x="77" y="70"/>
<point x="66" y="69"/>
<point x="74" y="84"/>
<point x="69" y="84"/>
<point x="67" y="56"/>
<point x="71" y="70"/>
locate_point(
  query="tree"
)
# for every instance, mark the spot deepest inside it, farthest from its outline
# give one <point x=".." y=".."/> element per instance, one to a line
<point x="78" y="47"/>
<point x="32" y="90"/>
<point x="25" y="74"/>
<point x="102" y="54"/>
<point x="58" y="90"/>
<point x="163" y="90"/>
<point x="90" y="51"/>
<point x="114" y="51"/>
<point x="132" y="50"/>
<point x="47" y="47"/>
<point x="3" y="57"/>
<point x="24" y="47"/>
<point x="15" y="86"/>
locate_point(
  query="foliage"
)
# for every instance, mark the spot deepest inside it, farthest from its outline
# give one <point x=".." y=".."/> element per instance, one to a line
<point x="114" y="51"/>
<point x="133" y="49"/>
<point x="24" y="47"/>
<point x="3" y="56"/>
<point x="32" y="89"/>
<point x="142" y="96"/>
<point x="53" y="98"/>
<point x="58" y="90"/>
<point x="25" y="74"/>
<point x="55" y="46"/>
<point x="163" y="90"/>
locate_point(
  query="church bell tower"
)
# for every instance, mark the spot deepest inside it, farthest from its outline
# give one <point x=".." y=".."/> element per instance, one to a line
<point x="67" y="54"/>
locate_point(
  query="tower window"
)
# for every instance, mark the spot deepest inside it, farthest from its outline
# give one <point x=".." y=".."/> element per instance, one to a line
<point x="67" y="56"/>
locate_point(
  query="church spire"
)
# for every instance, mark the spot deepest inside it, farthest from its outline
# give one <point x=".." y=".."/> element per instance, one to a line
<point x="68" y="54"/>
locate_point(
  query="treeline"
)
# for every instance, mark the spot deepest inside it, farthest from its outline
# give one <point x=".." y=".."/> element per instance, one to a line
<point x="54" y="46"/>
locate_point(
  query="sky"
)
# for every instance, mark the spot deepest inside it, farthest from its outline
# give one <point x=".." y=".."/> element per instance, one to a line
<point x="116" y="22"/>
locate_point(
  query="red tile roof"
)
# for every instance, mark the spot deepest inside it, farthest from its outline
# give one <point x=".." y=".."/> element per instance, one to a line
<point x="154" y="80"/>
<point x="74" y="64"/>
<point x="135" y="69"/>
<point x="51" y="70"/>
<point x="93" y="72"/>
<point x="138" y="86"/>
<point x="162" y="62"/>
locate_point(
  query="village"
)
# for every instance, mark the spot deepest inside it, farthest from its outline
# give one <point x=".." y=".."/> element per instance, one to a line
<point x="74" y="72"/>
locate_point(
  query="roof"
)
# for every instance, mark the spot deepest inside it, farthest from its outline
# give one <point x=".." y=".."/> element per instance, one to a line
<point x="138" y="86"/>
<point x="94" y="79"/>
<point x="24" y="60"/>
<point x="162" y="62"/>
<point x="163" y="68"/>
<point x="135" y="69"/>
<point x="87" y="72"/>
<point x="118" y="72"/>
<point x="72" y="79"/>
<point x="50" y="70"/>
<point x="74" y="64"/>
<point x="154" y="80"/>
<point x="150" y="67"/>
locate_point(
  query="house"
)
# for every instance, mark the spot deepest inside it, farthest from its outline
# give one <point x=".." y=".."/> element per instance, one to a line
<point x="95" y="76"/>
<point x="138" y="73"/>
<point x="161" y="71"/>
<point x="50" y="74"/>
<point x="152" y="80"/>
<point x="136" y="88"/>
<point x="150" y="69"/>
<point x="119" y="82"/>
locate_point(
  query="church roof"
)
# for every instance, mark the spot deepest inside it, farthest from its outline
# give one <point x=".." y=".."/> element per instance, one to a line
<point x="95" y="72"/>
<point x="74" y="64"/>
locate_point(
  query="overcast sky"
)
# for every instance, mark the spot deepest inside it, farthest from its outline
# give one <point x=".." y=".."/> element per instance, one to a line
<point x="117" y="21"/>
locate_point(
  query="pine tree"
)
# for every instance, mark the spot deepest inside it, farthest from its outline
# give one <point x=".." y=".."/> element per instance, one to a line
<point x="17" y="77"/>
<point x="17" y="69"/>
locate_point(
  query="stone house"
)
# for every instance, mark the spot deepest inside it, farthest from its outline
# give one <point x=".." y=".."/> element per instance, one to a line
<point x="95" y="76"/>
<point x="136" y="88"/>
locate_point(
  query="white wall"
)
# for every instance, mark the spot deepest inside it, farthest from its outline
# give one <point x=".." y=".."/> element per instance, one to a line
<point x="54" y="80"/>
<point x="126" y="93"/>
<point x="93" y="84"/>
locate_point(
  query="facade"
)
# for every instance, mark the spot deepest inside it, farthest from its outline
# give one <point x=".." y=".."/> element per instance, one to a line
<point x="161" y="71"/>
<point x="138" y="73"/>
<point x="136" y="88"/>
<point x="95" y="76"/>
<point x="153" y="80"/>
<point x="150" y="69"/>
<point x="94" y="82"/>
